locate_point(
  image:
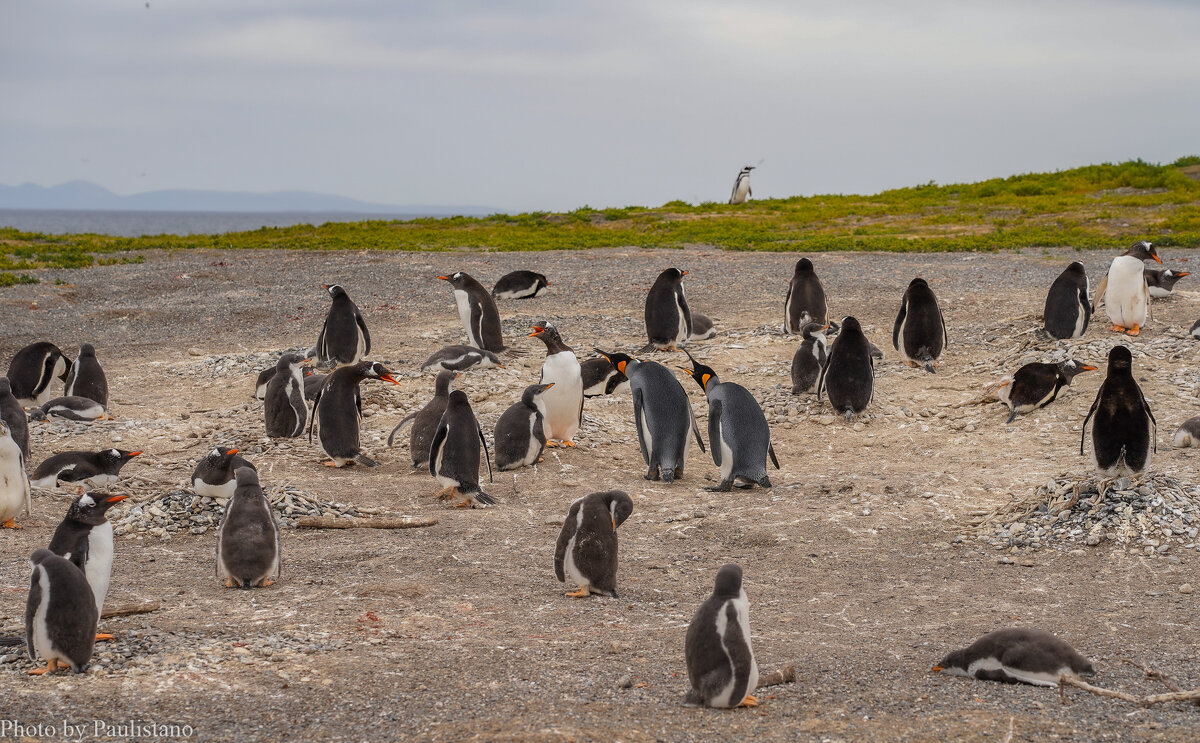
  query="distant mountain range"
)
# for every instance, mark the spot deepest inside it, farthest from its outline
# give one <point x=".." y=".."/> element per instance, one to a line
<point x="84" y="195"/>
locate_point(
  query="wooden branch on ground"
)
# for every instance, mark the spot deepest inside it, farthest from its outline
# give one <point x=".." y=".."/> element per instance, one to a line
<point x="347" y="522"/>
<point x="124" y="610"/>
<point x="1175" y="696"/>
<point x="785" y="675"/>
<point x="1154" y="674"/>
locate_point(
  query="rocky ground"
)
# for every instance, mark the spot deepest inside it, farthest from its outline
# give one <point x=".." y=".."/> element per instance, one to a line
<point x="884" y="543"/>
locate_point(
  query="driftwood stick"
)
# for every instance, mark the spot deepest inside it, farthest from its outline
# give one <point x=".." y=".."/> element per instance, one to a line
<point x="1147" y="701"/>
<point x="347" y="522"/>
<point x="124" y="610"/>
<point x="1151" y="673"/>
<point x="785" y="675"/>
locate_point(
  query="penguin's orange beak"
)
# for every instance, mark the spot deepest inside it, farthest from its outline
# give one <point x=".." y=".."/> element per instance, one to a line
<point x="444" y="278"/>
<point x="935" y="669"/>
<point x="537" y="330"/>
<point x="686" y="371"/>
<point x="232" y="451"/>
<point x="325" y="287"/>
<point x="1155" y="257"/>
<point x="456" y="375"/>
<point x="389" y="378"/>
<point x="1181" y="274"/>
<point x="134" y="453"/>
<point x="550" y="385"/>
<point x="685" y="273"/>
<point x="116" y="498"/>
<point x="1085" y="367"/>
<point x="500" y="366"/>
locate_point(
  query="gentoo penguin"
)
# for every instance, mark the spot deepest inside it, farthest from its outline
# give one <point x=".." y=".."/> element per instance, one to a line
<point x="214" y="474"/>
<point x="1124" y="292"/>
<point x="741" y="186"/>
<point x="662" y="414"/>
<point x="460" y="358"/>
<point x="260" y="384"/>
<point x="284" y="407"/>
<point x="849" y="376"/>
<point x="1188" y="433"/>
<point x="805" y="300"/>
<point x="1195" y="330"/>
<point x="313" y="384"/>
<point x="86" y="378"/>
<point x="70" y="408"/>
<point x="1037" y="385"/>
<point x="520" y="433"/>
<point x="85" y="537"/>
<point x="13" y="414"/>
<point x="336" y="411"/>
<point x="425" y="421"/>
<point x="810" y="358"/>
<point x="1125" y="430"/>
<point x="920" y="330"/>
<point x="93" y="470"/>
<point x="344" y="338"/>
<point x="1068" y="309"/>
<point x="564" y="403"/>
<point x="668" y="319"/>
<point x="520" y="285"/>
<point x="248" y="537"/>
<point x="14" y="484"/>
<point x="60" y="615"/>
<point x="600" y="377"/>
<point x="586" y="553"/>
<point x="1017" y="655"/>
<point x="1162" y="283"/>
<point x="454" y="453"/>
<point x="477" y="311"/>
<point x="739" y="438"/>
<point x="32" y="370"/>
<point x="702" y="328"/>
<point x="720" y="658"/>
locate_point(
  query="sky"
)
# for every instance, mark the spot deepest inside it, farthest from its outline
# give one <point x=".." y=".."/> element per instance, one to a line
<point x="559" y="104"/>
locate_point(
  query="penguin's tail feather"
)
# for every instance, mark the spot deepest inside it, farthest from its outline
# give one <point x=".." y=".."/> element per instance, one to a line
<point x="484" y="498"/>
<point x="366" y="461"/>
<point x="929" y="367"/>
<point x="396" y="430"/>
<point x="849" y="414"/>
<point x="11" y="641"/>
<point x="1012" y="417"/>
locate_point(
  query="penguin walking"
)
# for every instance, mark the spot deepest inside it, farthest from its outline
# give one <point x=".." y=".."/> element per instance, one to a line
<point x="248" y="552"/>
<point x="849" y="376"/>
<point x="1188" y="434"/>
<point x="425" y="421"/>
<point x="662" y="414"/>
<point x="520" y="433"/>
<point x="454" y="453"/>
<point x="720" y="658"/>
<point x="86" y="378"/>
<point x="668" y="318"/>
<point x="1037" y="385"/>
<point x="60" y="615"/>
<point x="344" y="338"/>
<point x="459" y="358"/>
<point x="805" y="301"/>
<point x="1162" y="283"/>
<point x="32" y="370"/>
<point x="520" y="285"/>
<point x="336" y="411"/>
<point x="14" y="484"/>
<point x="13" y="414"/>
<point x="739" y="438"/>
<point x="702" y="328"/>
<point x="920" y="330"/>
<point x="1017" y="655"/>
<point x="477" y="311"/>
<point x="600" y="377"/>
<point x="586" y="552"/>
<point x="71" y="409"/>
<point x="84" y="469"/>
<point x="1124" y="292"/>
<point x="85" y="537"/>
<point x="741" y="186"/>
<point x="284" y="406"/>
<point x="1125" y="431"/>
<point x="214" y="474"/>
<point x="810" y="358"/>
<point x="564" y="403"/>
<point x="1068" y="309"/>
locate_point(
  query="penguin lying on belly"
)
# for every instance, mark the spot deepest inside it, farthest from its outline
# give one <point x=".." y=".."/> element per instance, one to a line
<point x="1036" y="385"/>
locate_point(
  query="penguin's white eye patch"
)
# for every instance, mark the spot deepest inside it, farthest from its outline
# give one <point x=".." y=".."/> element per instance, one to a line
<point x="87" y="501"/>
<point x="215" y="453"/>
<point x="114" y="452"/>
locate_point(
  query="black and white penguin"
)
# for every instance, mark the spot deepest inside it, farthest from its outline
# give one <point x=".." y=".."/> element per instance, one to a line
<point x="284" y="406"/>
<point x="741" y="186"/>
<point x="586" y="553"/>
<point x="425" y="421"/>
<point x="668" y="318"/>
<point x="214" y="474"/>
<point x="520" y="433"/>
<point x="720" y="657"/>
<point x="702" y="328"/>
<point x="1194" y="331"/>
<point x="1188" y="434"/>
<point x="920" y="330"/>
<point x="739" y="438"/>
<point x="86" y="377"/>
<point x="1123" y="290"/>
<point x="454" y="453"/>
<point x="32" y="370"/>
<point x="520" y="285"/>
<point x="849" y="376"/>
<point x="805" y="301"/>
<point x="662" y="414"/>
<point x="459" y="358"/>
<point x="1017" y="655"/>
<point x="13" y="414"/>
<point x="1162" y="283"/>
<point x="260" y="384"/>
<point x="248" y="553"/>
<point x="600" y="377"/>
<point x="85" y="537"/>
<point x="810" y="358"/>
<point x="71" y="409"/>
<point x="336" y="411"/>
<point x="1068" y="309"/>
<point x="93" y="470"/>
<point x="60" y="615"/>
<point x="563" y="414"/>
<point x="1125" y="431"/>
<point x="344" y="338"/>
<point x="1037" y="385"/>
<point x="313" y="383"/>
<point x="14" y="484"/>
<point x="477" y="311"/>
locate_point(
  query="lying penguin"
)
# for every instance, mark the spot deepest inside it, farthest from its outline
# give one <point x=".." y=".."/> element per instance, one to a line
<point x="1036" y="385"/>
<point x="83" y="469"/>
<point x="1162" y="283"/>
<point x="460" y="358"/>
<point x="1017" y="655"/>
<point x="214" y="474"/>
<point x="71" y="409"/>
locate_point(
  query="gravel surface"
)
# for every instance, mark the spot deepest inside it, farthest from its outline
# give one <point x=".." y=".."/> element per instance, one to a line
<point x="871" y="558"/>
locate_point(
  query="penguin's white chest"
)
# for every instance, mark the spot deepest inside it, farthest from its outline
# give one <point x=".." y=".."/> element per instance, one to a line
<point x="726" y="452"/>
<point x="742" y="606"/>
<point x="562" y="401"/>
<point x="14" y="484"/>
<point x="203" y="488"/>
<point x="98" y="568"/>
<point x="1126" y="296"/>
<point x="570" y="569"/>
<point x="41" y="637"/>
<point x="463" y="300"/>
<point x="681" y="333"/>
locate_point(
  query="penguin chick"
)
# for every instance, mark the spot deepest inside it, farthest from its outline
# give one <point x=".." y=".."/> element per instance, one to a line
<point x="336" y="411"/>
<point x="810" y="358"/>
<point x="14" y="485"/>
<point x="1017" y="655"/>
<point x="214" y="474"/>
<point x="86" y="469"/>
<point x="86" y="377"/>
<point x="920" y="330"/>
<point x="71" y="409"/>
<point x="668" y="318"/>
<point x="1162" y="283"/>
<point x="33" y="368"/>
<point x="1188" y="434"/>
<point x="1037" y="385"/>
<point x="60" y="615"/>
<point x="477" y="311"/>
<point x="720" y="657"/>
<point x="312" y="384"/>
<point x="344" y="338"/>
<point x="1125" y="431"/>
<point x="248" y="551"/>
<point x="702" y="328"/>
<point x="601" y="378"/>
<point x="425" y="421"/>
<point x="586" y="552"/>
<point x="260" y="384"/>
<point x="520" y="433"/>
<point x="460" y="358"/>
<point x="285" y="410"/>
<point x="520" y="285"/>
<point x="85" y="537"/>
<point x="13" y="414"/>
<point x="454" y="453"/>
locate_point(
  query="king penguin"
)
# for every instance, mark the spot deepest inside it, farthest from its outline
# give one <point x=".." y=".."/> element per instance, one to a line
<point x="1124" y="432"/>
<point x="86" y="378"/>
<point x="805" y="301"/>
<point x="336" y="410"/>
<point x="477" y="311"/>
<point x="284" y="407"/>
<point x="920" y="330"/>
<point x="741" y="186"/>
<point x="248" y="551"/>
<point x="586" y="553"/>
<point x="1068" y="309"/>
<point x="1162" y="283"/>
<point x="85" y="537"/>
<point x="214" y="474"/>
<point x="425" y="421"/>
<point x="849" y="377"/>
<point x="520" y="433"/>
<point x="13" y="414"/>
<point x="1124" y="292"/>
<point x="14" y="484"/>
<point x="84" y="469"/>
<point x="1037" y="385"/>
<point x="32" y="370"/>
<point x="520" y="285"/>
<point x="454" y="453"/>
<point x="720" y="658"/>
<point x="668" y="319"/>
<point x="60" y="615"/>
<point x="1017" y="655"/>
<point x="344" y="338"/>
<point x="564" y="403"/>
<point x="810" y="358"/>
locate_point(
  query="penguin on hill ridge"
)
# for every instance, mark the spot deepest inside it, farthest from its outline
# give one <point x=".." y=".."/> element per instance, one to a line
<point x="459" y="358"/>
<point x="86" y="377"/>
<point x="85" y="537"/>
<point x="344" y="338"/>
<point x="248" y="552"/>
<point x="1124" y="292"/>
<point x="741" y="186"/>
<point x="454" y="453"/>
<point x="60" y="614"/>
<point x="84" y="469"/>
<point x="13" y="414"/>
<point x="14" y="484"/>
<point x="284" y="408"/>
<point x="520" y="433"/>
<point x="1162" y="283"/>
<point x="702" y="328"/>
<point x="600" y="377"/>
<point x="1017" y="655"/>
<point x="32" y="370"/>
<point x="520" y="285"/>
<point x="563" y="413"/>
<point x="805" y="301"/>
<point x="1036" y="385"/>
<point x="1124" y="432"/>
<point x="477" y="311"/>
<point x="586" y="552"/>
<point x="1188" y="434"/>
<point x="849" y="375"/>
<point x="668" y="318"/>
<point x="425" y="421"/>
<point x="72" y="409"/>
<point x="214" y="473"/>
<point x="810" y="358"/>
<point x="920" y="330"/>
<point x="336" y="411"/>
<point x="720" y="658"/>
<point x="1068" y="309"/>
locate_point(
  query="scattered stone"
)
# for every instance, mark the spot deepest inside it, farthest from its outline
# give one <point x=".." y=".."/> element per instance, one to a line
<point x="625" y="682"/>
<point x="1186" y="588"/>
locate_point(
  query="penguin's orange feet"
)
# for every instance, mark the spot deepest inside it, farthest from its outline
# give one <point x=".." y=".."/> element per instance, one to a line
<point x="569" y="444"/>
<point x="330" y="464"/>
<point x="550" y="444"/>
<point x="1134" y="330"/>
<point x="51" y="667"/>
<point x="229" y="582"/>
<point x="1118" y="328"/>
<point x="445" y="493"/>
<point x="749" y="701"/>
<point x="267" y="582"/>
<point x="465" y="504"/>
<point x="104" y="637"/>
<point x="581" y="593"/>
<point x="10" y="524"/>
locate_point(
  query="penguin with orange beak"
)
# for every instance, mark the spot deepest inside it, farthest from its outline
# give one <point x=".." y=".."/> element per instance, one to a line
<point x="83" y="469"/>
<point x="85" y="537"/>
<point x="477" y="311"/>
<point x="1124" y="292"/>
<point x="1037" y="385"/>
<point x="336" y="410"/>
<point x="1162" y="283"/>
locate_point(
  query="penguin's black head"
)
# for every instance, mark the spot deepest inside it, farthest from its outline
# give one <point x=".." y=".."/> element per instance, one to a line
<point x="456" y="279"/>
<point x="335" y="290"/>
<point x="1076" y="267"/>
<point x="850" y="324"/>
<point x="443" y="380"/>
<point x="245" y="476"/>
<point x="956" y="660"/>
<point x="288" y="360"/>
<point x="674" y="275"/>
<point x="546" y="331"/>
<point x="704" y="375"/>
<point x="729" y="581"/>
<point x="533" y="390"/>
<point x="618" y="360"/>
<point x="541" y="280"/>
<point x="1143" y="251"/>
<point x="376" y="370"/>
<point x="5" y="387"/>
<point x="115" y="458"/>
<point x="917" y="282"/>
<point x="620" y="505"/>
<point x="90" y="508"/>
<point x="40" y="556"/>
<point x="813" y="329"/>
<point x="221" y="456"/>
<point x="87" y="350"/>
<point x="1119" y="358"/>
<point x="1071" y="368"/>
<point x="804" y="265"/>
<point x="458" y="398"/>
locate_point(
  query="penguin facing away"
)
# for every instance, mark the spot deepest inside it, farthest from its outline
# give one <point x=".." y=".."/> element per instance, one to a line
<point x="720" y="657"/>
<point x="805" y="301"/>
<point x="810" y="358"/>
<point x="1124" y="432"/>
<point x="13" y="414"/>
<point x="71" y="409"/>
<point x="459" y="358"/>
<point x="284" y="407"/>
<point x="563" y="413"/>
<point x="668" y="318"/>
<point x="344" y="338"/>
<point x="248" y="552"/>
<point x="337" y="409"/>
<point x="1068" y="309"/>
<point x="849" y="375"/>
<point x="85" y="537"/>
<point x="425" y="421"/>
<point x="454" y="453"/>
<point x="520" y="285"/>
<point x="1124" y="292"/>
<point x="1162" y="283"/>
<point x="920" y="330"/>
<point x="1017" y="655"/>
<point x="477" y="311"/>
<point x="60" y="614"/>
<point x="14" y="485"/>
<point x="1037" y="385"/>
<point x="84" y="469"/>
<point x="214" y="476"/>
<point x="520" y="433"/>
<point x="586" y="552"/>
<point x="741" y="186"/>
<point x="600" y="377"/>
<point x="86" y="377"/>
<point x="32" y="370"/>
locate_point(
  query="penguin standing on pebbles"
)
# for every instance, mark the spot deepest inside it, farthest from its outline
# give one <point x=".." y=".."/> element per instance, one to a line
<point x="1125" y="431"/>
<point x="600" y="377"/>
<point x="586" y="553"/>
<point x="1036" y="385"/>
<point x="14" y="484"/>
<point x="214" y="474"/>
<point x="1195" y="330"/>
<point x="1162" y="283"/>
<point x="32" y="370"/>
<point x="284" y="406"/>
<point x="920" y="330"/>
<point x="563" y="413"/>
<point x="72" y="409"/>
<point x="460" y="358"/>
<point x="668" y="318"/>
<point x="425" y="421"/>
<point x="720" y="658"/>
<point x="805" y="301"/>
<point x="520" y="285"/>
<point x="849" y="376"/>
<point x="477" y="311"/>
<point x="454" y="453"/>
<point x="85" y="537"/>
<point x="810" y="358"/>
<point x="84" y="469"/>
<point x="1123" y="290"/>
<point x="520" y="433"/>
<point x="60" y="615"/>
<point x="1017" y="655"/>
<point x="13" y="414"/>
<point x="1068" y="309"/>
<point x="344" y="338"/>
<point x="248" y="537"/>
<point x="86" y="378"/>
<point x="336" y="411"/>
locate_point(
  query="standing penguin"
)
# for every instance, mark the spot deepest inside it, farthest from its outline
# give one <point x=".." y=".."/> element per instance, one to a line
<point x="600" y="377"/>
<point x="849" y="376"/>
<point x="805" y="300"/>
<point x="214" y="474"/>
<point x="1125" y="430"/>
<point x="741" y="186"/>
<point x="810" y="358"/>
<point x="85" y="537"/>
<point x="520" y="285"/>
<point x="520" y="433"/>
<point x="336" y="410"/>
<point x="13" y="414"/>
<point x="60" y="615"/>
<point x="1017" y="655"/>
<point x="720" y="658"/>
<point x="586" y="553"/>
<point x="86" y="378"/>
<point x="668" y="319"/>
<point x="85" y="469"/>
<point x="477" y="311"/>
<point x="739" y="438"/>
<point x="425" y="421"/>
<point x="454" y="453"/>
<point x="662" y="414"/>
<point x="284" y="406"/>
<point x="1162" y="283"/>
<point x="1124" y="292"/>
<point x="344" y="338"/>
<point x="564" y="403"/>
<point x="248" y="552"/>
<point x="1068" y="310"/>
<point x="32" y="370"/>
<point x="14" y="484"/>
<point x="1036" y="385"/>
<point x="920" y="330"/>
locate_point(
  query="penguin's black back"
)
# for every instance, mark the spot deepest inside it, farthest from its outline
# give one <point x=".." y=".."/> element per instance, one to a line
<point x="249" y="534"/>
<point x="1021" y="648"/>
<point x="460" y="444"/>
<point x="1122" y="419"/>
<point x="86" y="377"/>
<point x="31" y="369"/>
<point x="337" y="411"/>
<point x="663" y="304"/>
<point x="14" y="416"/>
<point x="1066" y="299"/>
<point x="849" y="377"/>
<point x="71" y="613"/>
<point x="1032" y="382"/>
<point x="919" y="330"/>
<point x="712" y="659"/>
<point x="514" y="430"/>
<point x="520" y="281"/>
<point x="339" y="336"/>
<point x="805" y="294"/>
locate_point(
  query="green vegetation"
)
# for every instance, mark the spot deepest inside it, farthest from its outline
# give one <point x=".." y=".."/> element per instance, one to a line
<point x="8" y="278"/>
<point x="1098" y="206"/>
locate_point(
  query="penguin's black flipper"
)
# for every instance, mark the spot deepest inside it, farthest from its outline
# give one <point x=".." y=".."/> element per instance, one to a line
<point x="392" y="435"/>
<point x="312" y="415"/>
<point x="638" y="413"/>
<point x="899" y="321"/>
<point x="696" y="428"/>
<point x="1091" y="412"/>
<point x="358" y="402"/>
<point x="787" y="321"/>
<point x="487" y="455"/>
<point x="687" y="312"/>
<point x="435" y="446"/>
<point x="714" y="424"/>
<point x="320" y="347"/>
<point x="1145" y="406"/>
<point x="774" y="459"/>
<point x="362" y="325"/>
<point x="564" y="538"/>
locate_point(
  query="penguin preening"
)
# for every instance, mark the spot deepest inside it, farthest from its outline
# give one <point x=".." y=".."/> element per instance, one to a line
<point x="720" y="658"/>
<point x="1162" y="283"/>
<point x="702" y="328"/>
<point x="477" y="311"/>
<point x="14" y="484"/>
<point x="60" y="614"/>
<point x="1188" y="434"/>
<point x="32" y="370"/>
<point x="849" y="375"/>
<point x="520" y="433"/>
<point x="810" y="358"/>
<point x="344" y="338"/>
<point x="1124" y="432"/>
<point x="425" y="421"/>
<point x="454" y="453"/>
<point x="920" y="330"/>
<point x="805" y="301"/>
<point x="1123" y="290"/>
<point x="1037" y="385"/>
<point x="586" y="552"/>
<point x="85" y="469"/>
<point x="600" y="377"/>
<point x="741" y="186"/>
<point x="520" y="285"/>
<point x="85" y="537"/>
<point x="214" y="476"/>
<point x="563" y="411"/>
<point x="86" y="377"/>
<point x="336" y="411"/>
<point x="71" y="409"/>
<point x="248" y="550"/>
<point x="668" y="318"/>
<point x="13" y="414"/>
<point x="1068" y="309"/>
<point x="459" y="358"/>
<point x="1017" y="655"/>
<point x="284" y="407"/>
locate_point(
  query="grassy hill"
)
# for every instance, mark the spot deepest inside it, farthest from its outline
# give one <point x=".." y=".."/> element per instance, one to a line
<point x="1097" y="206"/>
